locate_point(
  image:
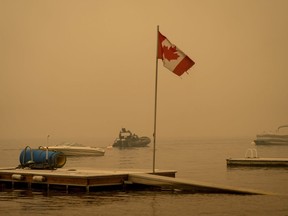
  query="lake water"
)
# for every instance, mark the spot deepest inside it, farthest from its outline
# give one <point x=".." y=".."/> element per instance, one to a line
<point x="202" y="160"/>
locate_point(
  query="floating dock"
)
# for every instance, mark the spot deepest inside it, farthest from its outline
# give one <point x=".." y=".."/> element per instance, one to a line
<point x="265" y="162"/>
<point x="85" y="178"/>
<point x="251" y="159"/>
<point x="97" y="180"/>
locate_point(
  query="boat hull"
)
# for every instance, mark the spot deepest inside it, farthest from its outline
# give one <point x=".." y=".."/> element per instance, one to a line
<point x="140" y="142"/>
<point x="271" y="140"/>
<point x="78" y="151"/>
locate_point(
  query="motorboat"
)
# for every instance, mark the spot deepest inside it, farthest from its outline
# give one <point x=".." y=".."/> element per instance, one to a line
<point x="278" y="137"/>
<point x="127" y="139"/>
<point x="76" y="149"/>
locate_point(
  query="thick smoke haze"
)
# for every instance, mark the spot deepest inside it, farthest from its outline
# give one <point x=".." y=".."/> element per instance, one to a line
<point x="84" y="69"/>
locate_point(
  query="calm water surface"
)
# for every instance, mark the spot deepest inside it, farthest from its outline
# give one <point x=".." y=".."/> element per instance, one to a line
<point x="201" y="160"/>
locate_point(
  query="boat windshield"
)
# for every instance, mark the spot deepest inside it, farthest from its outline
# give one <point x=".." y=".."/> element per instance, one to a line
<point x="70" y="144"/>
<point x="125" y="134"/>
<point x="283" y="126"/>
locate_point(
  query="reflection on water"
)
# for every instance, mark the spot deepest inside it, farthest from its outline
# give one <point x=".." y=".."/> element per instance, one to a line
<point x="143" y="203"/>
<point x="201" y="160"/>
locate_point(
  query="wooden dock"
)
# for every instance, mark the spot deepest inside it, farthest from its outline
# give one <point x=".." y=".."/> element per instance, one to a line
<point x="96" y="180"/>
<point x="68" y="178"/>
<point x="251" y="159"/>
<point x="255" y="161"/>
<point x="185" y="185"/>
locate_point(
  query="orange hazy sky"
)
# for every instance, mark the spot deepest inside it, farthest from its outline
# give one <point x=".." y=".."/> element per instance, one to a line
<point x="86" y="68"/>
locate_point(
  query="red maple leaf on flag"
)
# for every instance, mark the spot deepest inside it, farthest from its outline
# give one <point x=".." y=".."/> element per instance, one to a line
<point x="170" y="53"/>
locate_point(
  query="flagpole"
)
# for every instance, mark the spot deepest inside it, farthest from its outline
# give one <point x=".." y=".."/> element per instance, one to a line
<point x="155" y="107"/>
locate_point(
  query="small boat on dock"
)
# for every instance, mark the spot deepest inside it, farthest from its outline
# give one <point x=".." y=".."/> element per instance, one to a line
<point x="273" y="138"/>
<point x="76" y="149"/>
<point x="251" y="159"/>
<point x="127" y="139"/>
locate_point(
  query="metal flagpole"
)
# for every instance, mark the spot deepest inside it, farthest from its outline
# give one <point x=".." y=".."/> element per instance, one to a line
<point x="155" y="107"/>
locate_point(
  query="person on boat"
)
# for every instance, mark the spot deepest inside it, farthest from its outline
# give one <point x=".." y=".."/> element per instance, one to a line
<point x="135" y="136"/>
<point x="120" y="135"/>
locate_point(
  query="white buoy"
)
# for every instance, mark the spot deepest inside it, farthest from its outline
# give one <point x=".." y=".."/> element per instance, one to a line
<point x="39" y="178"/>
<point x="17" y="177"/>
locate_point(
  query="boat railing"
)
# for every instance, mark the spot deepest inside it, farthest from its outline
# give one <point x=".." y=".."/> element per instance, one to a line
<point x="282" y="126"/>
<point x="251" y="153"/>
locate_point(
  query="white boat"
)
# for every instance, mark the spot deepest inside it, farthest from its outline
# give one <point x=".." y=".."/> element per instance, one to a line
<point x="278" y="137"/>
<point x="75" y="149"/>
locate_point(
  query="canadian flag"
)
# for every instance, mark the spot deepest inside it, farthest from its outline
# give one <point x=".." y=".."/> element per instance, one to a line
<point x="173" y="58"/>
